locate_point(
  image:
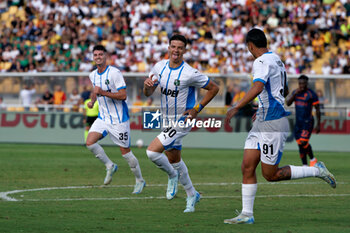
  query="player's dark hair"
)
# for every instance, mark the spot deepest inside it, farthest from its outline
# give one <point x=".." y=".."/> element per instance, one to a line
<point x="257" y="37"/>
<point x="99" y="48"/>
<point x="178" y="37"/>
<point x="303" y="77"/>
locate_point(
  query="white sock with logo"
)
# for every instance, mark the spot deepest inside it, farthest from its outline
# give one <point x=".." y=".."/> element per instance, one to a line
<point x="298" y="172"/>
<point x="248" y="197"/>
<point x="161" y="160"/>
<point x="98" y="151"/>
<point x="184" y="178"/>
<point x="134" y="165"/>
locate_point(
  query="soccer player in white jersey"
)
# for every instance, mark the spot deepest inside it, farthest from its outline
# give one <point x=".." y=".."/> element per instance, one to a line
<point x="178" y="82"/>
<point x="109" y="90"/>
<point x="266" y="139"/>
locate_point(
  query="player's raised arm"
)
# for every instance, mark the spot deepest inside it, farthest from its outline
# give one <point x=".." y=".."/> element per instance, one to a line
<point x="149" y="86"/>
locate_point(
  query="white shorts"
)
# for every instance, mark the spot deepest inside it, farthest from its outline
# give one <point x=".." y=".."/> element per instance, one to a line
<point x="119" y="133"/>
<point x="171" y="137"/>
<point x="269" y="137"/>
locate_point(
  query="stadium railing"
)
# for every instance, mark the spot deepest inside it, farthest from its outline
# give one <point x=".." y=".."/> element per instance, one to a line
<point x="334" y="87"/>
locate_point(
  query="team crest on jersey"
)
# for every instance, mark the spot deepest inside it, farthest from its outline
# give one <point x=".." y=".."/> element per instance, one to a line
<point x="107" y="82"/>
<point x="177" y="82"/>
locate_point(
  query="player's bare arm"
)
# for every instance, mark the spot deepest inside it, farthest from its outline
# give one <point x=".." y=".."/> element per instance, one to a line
<point x="212" y="90"/>
<point x="318" y="116"/>
<point x="93" y="100"/>
<point x="120" y="95"/>
<point x="253" y="92"/>
<point x="149" y="86"/>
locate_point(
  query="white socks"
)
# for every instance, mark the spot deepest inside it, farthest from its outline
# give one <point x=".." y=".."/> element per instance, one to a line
<point x="98" y="151"/>
<point x="301" y="172"/>
<point x="248" y="196"/>
<point x="134" y="165"/>
<point x="184" y="178"/>
<point x="161" y="160"/>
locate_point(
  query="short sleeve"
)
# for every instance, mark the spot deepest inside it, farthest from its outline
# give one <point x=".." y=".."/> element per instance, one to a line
<point x="91" y="77"/>
<point x="260" y="71"/>
<point x="157" y="70"/>
<point x="198" y="79"/>
<point x="119" y="81"/>
<point x="154" y="73"/>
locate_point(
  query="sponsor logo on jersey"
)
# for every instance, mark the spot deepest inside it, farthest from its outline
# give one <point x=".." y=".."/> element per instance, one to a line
<point x="169" y="92"/>
<point x="279" y="63"/>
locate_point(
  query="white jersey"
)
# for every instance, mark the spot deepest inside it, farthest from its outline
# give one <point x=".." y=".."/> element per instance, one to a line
<point x="110" y="110"/>
<point x="178" y="87"/>
<point x="270" y="70"/>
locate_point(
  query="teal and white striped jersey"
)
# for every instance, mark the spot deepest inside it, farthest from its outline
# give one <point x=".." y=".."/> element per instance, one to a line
<point x="111" y="80"/>
<point x="270" y="70"/>
<point x="177" y="87"/>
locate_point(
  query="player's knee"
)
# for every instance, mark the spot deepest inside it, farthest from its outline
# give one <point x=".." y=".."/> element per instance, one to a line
<point x="89" y="143"/>
<point x="247" y="170"/>
<point x="153" y="156"/>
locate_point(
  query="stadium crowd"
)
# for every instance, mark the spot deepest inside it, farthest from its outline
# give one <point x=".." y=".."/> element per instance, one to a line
<point x="58" y="35"/>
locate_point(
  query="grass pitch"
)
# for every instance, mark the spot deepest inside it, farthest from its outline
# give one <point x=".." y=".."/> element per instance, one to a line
<point x="58" y="189"/>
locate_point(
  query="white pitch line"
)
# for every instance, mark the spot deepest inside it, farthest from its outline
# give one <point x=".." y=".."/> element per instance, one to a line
<point x="202" y="197"/>
<point x="5" y="195"/>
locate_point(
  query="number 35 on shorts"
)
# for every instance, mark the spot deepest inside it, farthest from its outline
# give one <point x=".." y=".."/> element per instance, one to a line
<point x="123" y="136"/>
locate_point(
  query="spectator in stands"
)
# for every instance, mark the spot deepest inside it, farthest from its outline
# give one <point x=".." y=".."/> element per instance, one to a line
<point x="85" y="94"/>
<point x="59" y="98"/>
<point x="74" y="100"/>
<point x="322" y="99"/>
<point x="45" y="101"/>
<point x="26" y="96"/>
<point x="149" y="102"/>
<point x="326" y="68"/>
<point x="229" y="96"/>
<point x="2" y="104"/>
<point x="238" y="94"/>
<point x="77" y="24"/>
<point x="336" y="69"/>
<point x="137" y="104"/>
